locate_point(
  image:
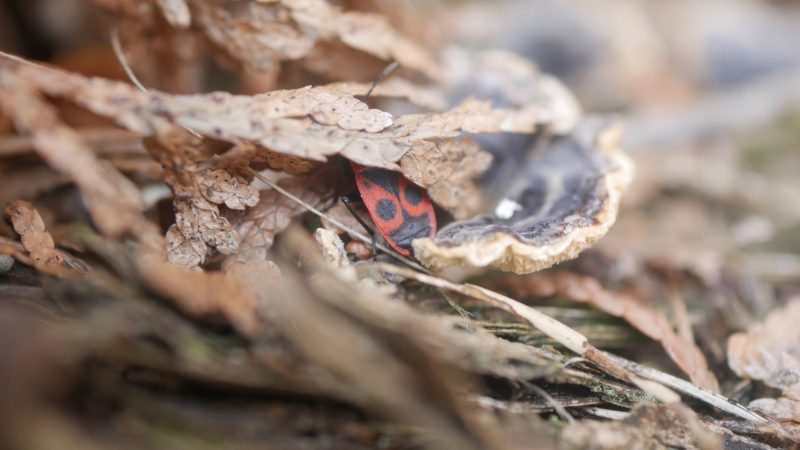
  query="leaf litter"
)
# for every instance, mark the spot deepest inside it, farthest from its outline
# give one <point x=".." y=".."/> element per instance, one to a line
<point x="203" y="280"/>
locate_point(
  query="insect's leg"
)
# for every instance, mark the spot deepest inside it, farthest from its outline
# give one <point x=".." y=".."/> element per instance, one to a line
<point x="347" y="200"/>
<point x="337" y="191"/>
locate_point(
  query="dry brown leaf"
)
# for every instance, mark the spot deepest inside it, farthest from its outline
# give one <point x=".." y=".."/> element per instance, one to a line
<point x="242" y="155"/>
<point x="111" y="198"/>
<point x="185" y="251"/>
<point x="770" y="351"/>
<point x="370" y="33"/>
<point x="29" y="225"/>
<point x="218" y="186"/>
<point x="447" y="170"/>
<point x="264" y="33"/>
<point x="310" y="123"/>
<point x="471" y="116"/>
<point x="279" y="162"/>
<point x="651" y="323"/>
<point x="197" y="192"/>
<point x="261" y="39"/>
<point x="334" y="60"/>
<point x="36" y="240"/>
<point x="203" y="293"/>
<point x="273" y="213"/>
<point x="197" y="218"/>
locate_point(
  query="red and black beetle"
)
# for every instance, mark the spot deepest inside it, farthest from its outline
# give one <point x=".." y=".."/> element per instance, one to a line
<point x="401" y="210"/>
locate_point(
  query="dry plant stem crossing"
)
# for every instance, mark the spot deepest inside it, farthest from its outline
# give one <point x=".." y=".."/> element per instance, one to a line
<point x="652" y="381"/>
<point x="556" y="330"/>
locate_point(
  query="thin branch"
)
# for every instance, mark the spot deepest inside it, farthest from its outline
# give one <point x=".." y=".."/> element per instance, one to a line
<point x="716" y="400"/>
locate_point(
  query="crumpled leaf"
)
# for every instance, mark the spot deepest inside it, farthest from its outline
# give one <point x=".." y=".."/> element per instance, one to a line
<point x="651" y="323"/>
<point x="770" y="351"/>
<point x="186" y="251"/>
<point x="218" y="186"/>
<point x="565" y="198"/>
<point x="273" y="213"/>
<point x="37" y="241"/>
<point x="197" y="194"/>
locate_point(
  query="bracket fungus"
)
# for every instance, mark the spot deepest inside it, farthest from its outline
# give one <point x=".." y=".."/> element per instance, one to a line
<point x="563" y="199"/>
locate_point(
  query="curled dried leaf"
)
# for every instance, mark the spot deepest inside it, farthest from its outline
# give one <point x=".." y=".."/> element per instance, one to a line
<point x="198" y="222"/>
<point x="198" y="218"/>
<point x="565" y="198"/>
<point x="218" y="186"/>
<point x="185" y="251"/>
<point x="651" y="323"/>
<point x="36" y="240"/>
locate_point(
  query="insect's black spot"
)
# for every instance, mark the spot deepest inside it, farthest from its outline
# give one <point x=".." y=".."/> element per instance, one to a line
<point x="367" y="185"/>
<point x="386" y="209"/>
<point x="386" y="179"/>
<point x="412" y="194"/>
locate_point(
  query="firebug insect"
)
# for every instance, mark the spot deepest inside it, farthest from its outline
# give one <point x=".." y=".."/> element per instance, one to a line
<point x="401" y="210"/>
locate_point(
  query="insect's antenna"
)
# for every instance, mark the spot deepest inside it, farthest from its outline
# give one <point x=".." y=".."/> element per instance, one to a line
<point x="384" y="73"/>
<point x="123" y="61"/>
<point x="339" y="224"/>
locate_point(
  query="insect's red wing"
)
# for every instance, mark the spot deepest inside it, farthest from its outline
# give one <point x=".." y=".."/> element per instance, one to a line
<point x="401" y="210"/>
